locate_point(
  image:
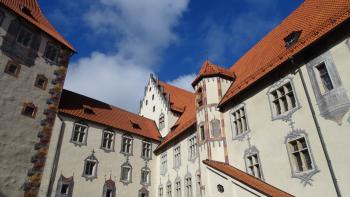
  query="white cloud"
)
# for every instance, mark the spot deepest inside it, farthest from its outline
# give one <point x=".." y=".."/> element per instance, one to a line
<point x="184" y="82"/>
<point x="140" y="30"/>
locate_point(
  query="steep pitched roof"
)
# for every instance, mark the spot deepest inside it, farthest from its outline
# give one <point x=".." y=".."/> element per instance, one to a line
<point x="31" y="12"/>
<point x="89" y="109"/>
<point x="247" y="179"/>
<point x="314" y="18"/>
<point x="186" y="101"/>
<point x="209" y="69"/>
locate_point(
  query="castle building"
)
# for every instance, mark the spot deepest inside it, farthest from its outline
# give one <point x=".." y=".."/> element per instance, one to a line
<point x="33" y="63"/>
<point x="276" y="123"/>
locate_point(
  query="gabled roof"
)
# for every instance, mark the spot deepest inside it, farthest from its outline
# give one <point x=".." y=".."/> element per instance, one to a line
<point x="179" y="98"/>
<point x="314" y="18"/>
<point x="209" y="70"/>
<point x="89" y="109"/>
<point x="247" y="179"/>
<point x="184" y="100"/>
<point x="31" y="12"/>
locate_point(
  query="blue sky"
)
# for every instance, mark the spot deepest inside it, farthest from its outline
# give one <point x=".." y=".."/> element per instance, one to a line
<point x="120" y="42"/>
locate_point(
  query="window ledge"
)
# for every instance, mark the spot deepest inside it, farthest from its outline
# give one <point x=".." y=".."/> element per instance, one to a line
<point x="126" y="182"/>
<point x="286" y="116"/>
<point x="78" y="143"/>
<point x="106" y="150"/>
<point x="241" y="136"/>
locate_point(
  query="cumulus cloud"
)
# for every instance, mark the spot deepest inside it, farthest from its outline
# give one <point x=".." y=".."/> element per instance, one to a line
<point x="138" y="32"/>
<point x="184" y="82"/>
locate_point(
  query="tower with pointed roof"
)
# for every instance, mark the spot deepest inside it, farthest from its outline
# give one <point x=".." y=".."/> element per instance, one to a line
<point x="33" y="63"/>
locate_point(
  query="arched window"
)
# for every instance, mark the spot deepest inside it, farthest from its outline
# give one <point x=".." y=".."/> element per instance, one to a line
<point x="143" y="192"/>
<point x="109" y="189"/>
<point x="198" y="185"/>
<point x="126" y="173"/>
<point x="90" y="167"/>
<point x="215" y="128"/>
<point x="2" y="16"/>
<point x="188" y="185"/>
<point x="161" y="121"/>
<point x="64" y="187"/>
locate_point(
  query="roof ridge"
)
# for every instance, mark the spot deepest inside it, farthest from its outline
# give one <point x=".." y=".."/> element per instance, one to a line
<point x="175" y="87"/>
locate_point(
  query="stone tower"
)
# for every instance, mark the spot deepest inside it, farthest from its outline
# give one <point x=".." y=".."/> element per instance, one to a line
<point x="33" y="63"/>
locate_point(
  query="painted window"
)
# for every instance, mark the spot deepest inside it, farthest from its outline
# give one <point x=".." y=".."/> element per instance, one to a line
<point x="127" y="143"/>
<point x="126" y="173"/>
<point x="198" y="185"/>
<point x="192" y="143"/>
<point x="145" y="176"/>
<point x="178" y="187"/>
<point x="41" y="82"/>
<point x="146" y="150"/>
<point x="163" y="163"/>
<point x="300" y="155"/>
<point x="90" y="167"/>
<point x="188" y="186"/>
<point x="253" y="165"/>
<point x="239" y="119"/>
<point x="24" y="37"/>
<point x="161" y="121"/>
<point x="177" y="156"/>
<point x="107" y="140"/>
<point x="79" y="133"/>
<point x="29" y="109"/>
<point x="324" y="78"/>
<point x="168" y="189"/>
<point x="51" y="52"/>
<point x="161" y="191"/>
<point x="215" y="128"/>
<point x="109" y="189"/>
<point x="64" y="187"/>
<point x="202" y="132"/>
<point x="2" y="16"/>
<point x="283" y="99"/>
<point x="12" y="69"/>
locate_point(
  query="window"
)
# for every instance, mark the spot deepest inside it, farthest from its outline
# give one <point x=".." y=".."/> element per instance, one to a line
<point x="109" y="189"/>
<point x="90" y="167"/>
<point x="239" y="118"/>
<point x="145" y="176"/>
<point x="283" y="99"/>
<point x="143" y="192"/>
<point x="12" y="69"/>
<point x="192" y="142"/>
<point x="163" y="163"/>
<point x="107" y="140"/>
<point x="126" y="171"/>
<point x="41" y="82"/>
<point x="64" y="187"/>
<point x="292" y="38"/>
<point x="178" y="187"/>
<point x="198" y="180"/>
<point x="168" y="189"/>
<point x="300" y="155"/>
<point x="177" y="157"/>
<point x="160" y="191"/>
<point x="324" y="77"/>
<point x="146" y="150"/>
<point x="202" y="132"/>
<point x="2" y="16"/>
<point x="161" y="121"/>
<point x="29" y="109"/>
<point x="199" y="97"/>
<point x="24" y="37"/>
<point x="146" y="102"/>
<point x="215" y="128"/>
<point x="152" y="97"/>
<point x="51" y="52"/>
<point x="79" y="133"/>
<point x="253" y="165"/>
<point x="127" y="144"/>
<point x="154" y="108"/>
<point x="188" y="186"/>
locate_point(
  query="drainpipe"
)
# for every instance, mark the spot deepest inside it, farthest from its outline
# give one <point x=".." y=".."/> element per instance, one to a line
<point x="56" y="158"/>
<point x="318" y="128"/>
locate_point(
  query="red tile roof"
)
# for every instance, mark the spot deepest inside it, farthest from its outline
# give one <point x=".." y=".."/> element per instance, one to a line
<point x="74" y="104"/>
<point x="314" y="18"/>
<point x="36" y="17"/>
<point x="209" y="69"/>
<point x="247" y="179"/>
<point x="185" y="100"/>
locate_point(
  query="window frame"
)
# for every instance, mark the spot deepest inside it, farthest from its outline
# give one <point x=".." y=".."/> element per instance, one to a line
<point x="192" y="156"/>
<point x="251" y="151"/>
<point x="201" y="131"/>
<point x="84" y="141"/>
<point x="67" y="181"/>
<point x="109" y="185"/>
<point x="163" y="163"/>
<point x="30" y="104"/>
<point x="90" y="158"/>
<point x="177" y="187"/>
<point x="26" y="30"/>
<point x="145" y="157"/>
<point x="109" y="131"/>
<point x="129" y="137"/>
<point x="129" y="180"/>
<point x="168" y="191"/>
<point x="161" y="121"/>
<point x="188" y="187"/>
<point x="9" y="63"/>
<point x="177" y="156"/>
<point x="42" y="77"/>
<point x="54" y="45"/>
<point x="285" y="115"/>
<point x="237" y="109"/>
<point x="148" y="181"/>
<point x="160" y="191"/>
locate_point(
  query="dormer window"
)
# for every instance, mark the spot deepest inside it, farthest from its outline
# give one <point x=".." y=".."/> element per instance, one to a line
<point x="292" y="38"/>
<point x="88" y="109"/>
<point x="135" y="125"/>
